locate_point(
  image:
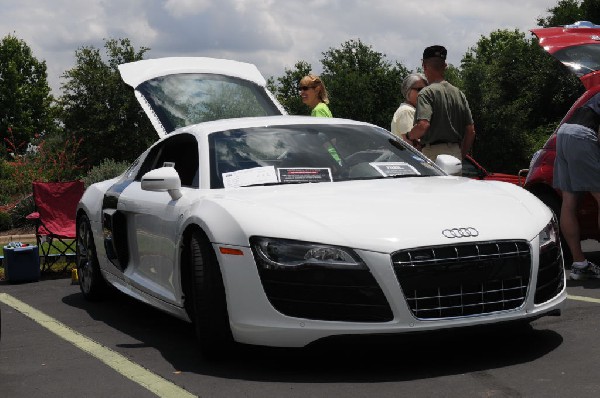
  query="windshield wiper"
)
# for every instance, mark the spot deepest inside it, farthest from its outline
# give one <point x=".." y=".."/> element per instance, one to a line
<point x="269" y="184"/>
<point x="384" y="177"/>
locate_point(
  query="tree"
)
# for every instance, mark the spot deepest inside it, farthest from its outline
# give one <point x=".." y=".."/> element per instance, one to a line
<point x="362" y="84"/>
<point x="514" y="109"/>
<point x="591" y="10"/>
<point x="101" y="109"/>
<point x="565" y="12"/>
<point x="25" y="101"/>
<point x="570" y="11"/>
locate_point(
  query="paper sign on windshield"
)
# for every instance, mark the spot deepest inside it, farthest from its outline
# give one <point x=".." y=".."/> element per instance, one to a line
<point x="253" y="176"/>
<point x="390" y="169"/>
<point x="304" y="174"/>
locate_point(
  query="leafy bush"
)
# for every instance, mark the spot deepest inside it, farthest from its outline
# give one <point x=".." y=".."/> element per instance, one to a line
<point x="106" y="170"/>
<point x="7" y="182"/>
<point x="5" y="222"/>
<point x="18" y="213"/>
<point x="46" y="163"/>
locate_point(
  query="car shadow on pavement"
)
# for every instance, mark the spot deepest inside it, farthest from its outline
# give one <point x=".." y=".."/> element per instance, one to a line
<point x="345" y="359"/>
<point x="585" y="284"/>
<point x="406" y="357"/>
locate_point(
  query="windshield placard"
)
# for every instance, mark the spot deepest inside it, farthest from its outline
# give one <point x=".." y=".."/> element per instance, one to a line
<point x="304" y="174"/>
<point x="390" y="169"/>
<point x="253" y="176"/>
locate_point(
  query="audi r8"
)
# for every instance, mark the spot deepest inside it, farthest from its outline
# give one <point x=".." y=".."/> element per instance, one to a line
<point x="276" y="230"/>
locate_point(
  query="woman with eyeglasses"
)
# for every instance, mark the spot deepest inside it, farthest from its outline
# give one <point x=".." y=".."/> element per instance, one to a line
<point x="404" y="117"/>
<point x="314" y="94"/>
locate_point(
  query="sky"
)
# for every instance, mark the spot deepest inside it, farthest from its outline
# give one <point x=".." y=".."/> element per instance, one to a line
<point x="272" y="34"/>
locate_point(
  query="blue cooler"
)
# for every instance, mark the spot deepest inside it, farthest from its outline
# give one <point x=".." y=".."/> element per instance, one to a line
<point x="21" y="264"/>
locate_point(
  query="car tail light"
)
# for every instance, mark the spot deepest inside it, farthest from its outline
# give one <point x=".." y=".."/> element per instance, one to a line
<point x="541" y="168"/>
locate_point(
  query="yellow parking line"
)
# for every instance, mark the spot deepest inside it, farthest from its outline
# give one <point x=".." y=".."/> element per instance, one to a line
<point x="586" y="299"/>
<point x="150" y="381"/>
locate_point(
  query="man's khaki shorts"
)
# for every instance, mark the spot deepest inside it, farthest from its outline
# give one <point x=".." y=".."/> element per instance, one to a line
<point x="432" y="151"/>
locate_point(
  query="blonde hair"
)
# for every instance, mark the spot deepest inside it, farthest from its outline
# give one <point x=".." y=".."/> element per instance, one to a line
<point x="315" y="81"/>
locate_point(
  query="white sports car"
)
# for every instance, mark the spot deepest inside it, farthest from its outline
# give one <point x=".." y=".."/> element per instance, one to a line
<point x="283" y="230"/>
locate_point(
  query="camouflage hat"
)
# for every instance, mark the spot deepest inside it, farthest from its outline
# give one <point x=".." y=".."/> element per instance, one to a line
<point x="435" y="52"/>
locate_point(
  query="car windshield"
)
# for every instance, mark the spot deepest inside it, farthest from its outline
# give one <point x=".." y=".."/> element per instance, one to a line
<point x="311" y="153"/>
<point x="181" y="100"/>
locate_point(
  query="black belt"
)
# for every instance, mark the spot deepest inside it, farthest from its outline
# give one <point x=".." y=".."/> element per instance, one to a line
<point x="440" y="142"/>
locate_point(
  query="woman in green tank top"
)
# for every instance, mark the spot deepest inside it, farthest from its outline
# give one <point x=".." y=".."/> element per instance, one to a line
<point x="314" y="94"/>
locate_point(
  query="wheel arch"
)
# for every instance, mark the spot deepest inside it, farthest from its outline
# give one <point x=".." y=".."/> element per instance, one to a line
<point x="545" y="191"/>
<point x="553" y="200"/>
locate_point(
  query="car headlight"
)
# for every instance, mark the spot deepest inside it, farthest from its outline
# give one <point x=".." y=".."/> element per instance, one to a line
<point x="549" y="237"/>
<point x="272" y="253"/>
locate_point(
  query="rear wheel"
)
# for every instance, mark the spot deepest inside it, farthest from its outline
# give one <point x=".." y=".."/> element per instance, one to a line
<point x="208" y="304"/>
<point x="554" y="203"/>
<point x="91" y="282"/>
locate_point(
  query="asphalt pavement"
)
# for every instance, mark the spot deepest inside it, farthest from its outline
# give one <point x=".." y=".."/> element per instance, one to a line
<point x="56" y="344"/>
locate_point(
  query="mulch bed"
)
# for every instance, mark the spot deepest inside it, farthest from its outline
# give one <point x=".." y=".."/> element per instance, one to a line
<point x="18" y="231"/>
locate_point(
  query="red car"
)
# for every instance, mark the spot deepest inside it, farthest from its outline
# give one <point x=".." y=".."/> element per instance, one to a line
<point x="577" y="46"/>
<point x="472" y="169"/>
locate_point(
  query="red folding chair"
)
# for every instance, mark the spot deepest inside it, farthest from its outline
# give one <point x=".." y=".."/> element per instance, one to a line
<point x="56" y="204"/>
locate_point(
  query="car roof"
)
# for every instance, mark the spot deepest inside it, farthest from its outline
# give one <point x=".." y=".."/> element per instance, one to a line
<point x="206" y="128"/>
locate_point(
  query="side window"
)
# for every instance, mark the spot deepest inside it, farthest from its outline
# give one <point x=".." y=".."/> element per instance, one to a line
<point x="182" y="150"/>
<point x="150" y="162"/>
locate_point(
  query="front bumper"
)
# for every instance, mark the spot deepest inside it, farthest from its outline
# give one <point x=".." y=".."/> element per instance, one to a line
<point x="254" y="319"/>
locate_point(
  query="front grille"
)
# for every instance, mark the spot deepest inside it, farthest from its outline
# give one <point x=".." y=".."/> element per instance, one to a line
<point x="326" y="294"/>
<point x="464" y="280"/>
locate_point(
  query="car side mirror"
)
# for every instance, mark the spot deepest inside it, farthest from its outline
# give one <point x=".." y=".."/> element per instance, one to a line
<point x="449" y="164"/>
<point x="163" y="179"/>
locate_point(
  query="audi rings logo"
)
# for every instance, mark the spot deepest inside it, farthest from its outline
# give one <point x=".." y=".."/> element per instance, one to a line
<point x="468" y="232"/>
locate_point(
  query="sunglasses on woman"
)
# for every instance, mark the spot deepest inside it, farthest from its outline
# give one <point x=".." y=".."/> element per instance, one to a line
<point x="304" y="88"/>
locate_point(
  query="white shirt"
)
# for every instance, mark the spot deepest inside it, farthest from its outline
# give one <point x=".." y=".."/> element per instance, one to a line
<point x="403" y="120"/>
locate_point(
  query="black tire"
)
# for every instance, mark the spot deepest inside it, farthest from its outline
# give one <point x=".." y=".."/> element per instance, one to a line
<point x="554" y="203"/>
<point x="208" y="304"/>
<point x="91" y="282"/>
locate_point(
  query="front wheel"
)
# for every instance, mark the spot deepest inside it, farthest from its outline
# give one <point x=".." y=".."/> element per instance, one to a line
<point x="205" y="297"/>
<point x="91" y="282"/>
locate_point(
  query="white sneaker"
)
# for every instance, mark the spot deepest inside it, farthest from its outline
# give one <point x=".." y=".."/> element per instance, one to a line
<point x="592" y="271"/>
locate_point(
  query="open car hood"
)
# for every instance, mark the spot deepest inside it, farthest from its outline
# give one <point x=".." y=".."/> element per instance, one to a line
<point x="180" y="91"/>
<point x="577" y="46"/>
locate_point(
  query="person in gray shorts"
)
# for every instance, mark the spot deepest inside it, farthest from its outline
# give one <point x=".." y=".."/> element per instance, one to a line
<point x="577" y="170"/>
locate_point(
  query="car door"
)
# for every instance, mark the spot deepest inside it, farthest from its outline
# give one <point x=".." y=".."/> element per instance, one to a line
<point x="153" y="219"/>
<point x="181" y="91"/>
